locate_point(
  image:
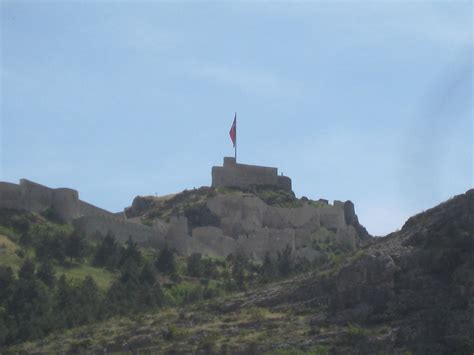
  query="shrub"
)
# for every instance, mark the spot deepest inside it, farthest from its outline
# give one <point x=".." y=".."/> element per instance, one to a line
<point x="356" y="332"/>
<point x="258" y="314"/>
<point x="183" y="293"/>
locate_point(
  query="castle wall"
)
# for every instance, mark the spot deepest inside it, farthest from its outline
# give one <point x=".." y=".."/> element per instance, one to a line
<point x="266" y="240"/>
<point x="177" y="235"/>
<point x="332" y="217"/>
<point x="35" y="197"/>
<point x="10" y="196"/>
<point x="232" y="174"/>
<point x="66" y="203"/>
<point x="86" y="209"/>
<point x="122" y="229"/>
<point x="211" y="241"/>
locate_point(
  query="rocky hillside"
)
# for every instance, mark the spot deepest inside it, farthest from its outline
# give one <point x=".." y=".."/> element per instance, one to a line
<point x="411" y="292"/>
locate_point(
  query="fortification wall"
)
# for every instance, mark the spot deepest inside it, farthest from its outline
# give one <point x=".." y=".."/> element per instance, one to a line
<point x="66" y="203"/>
<point x="332" y="217"/>
<point x="86" y="209"/>
<point x="266" y="240"/>
<point x="35" y="197"/>
<point x="10" y="196"/>
<point x="91" y="225"/>
<point x="233" y="174"/>
<point x="212" y="241"/>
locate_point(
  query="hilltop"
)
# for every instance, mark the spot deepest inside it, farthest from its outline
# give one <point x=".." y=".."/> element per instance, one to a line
<point x="215" y="221"/>
<point x="409" y="292"/>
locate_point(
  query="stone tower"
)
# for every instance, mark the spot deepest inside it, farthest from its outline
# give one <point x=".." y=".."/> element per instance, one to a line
<point x="233" y="174"/>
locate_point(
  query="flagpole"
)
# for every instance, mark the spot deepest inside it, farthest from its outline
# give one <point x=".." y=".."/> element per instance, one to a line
<point x="235" y="147"/>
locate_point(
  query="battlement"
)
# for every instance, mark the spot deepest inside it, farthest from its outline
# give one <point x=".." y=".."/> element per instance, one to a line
<point x="233" y="174"/>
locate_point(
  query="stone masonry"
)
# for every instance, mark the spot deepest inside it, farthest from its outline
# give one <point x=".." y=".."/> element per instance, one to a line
<point x="33" y="197"/>
<point x="233" y="174"/>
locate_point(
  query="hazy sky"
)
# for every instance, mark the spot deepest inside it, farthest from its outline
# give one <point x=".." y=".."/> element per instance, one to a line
<point x="365" y="101"/>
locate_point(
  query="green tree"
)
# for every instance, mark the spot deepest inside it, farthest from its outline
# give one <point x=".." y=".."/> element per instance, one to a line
<point x="149" y="293"/>
<point x="26" y="241"/>
<point x="90" y="301"/>
<point x="7" y="280"/>
<point x="77" y="303"/>
<point x="64" y="301"/>
<point x="122" y="297"/>
<point x="29" y="308"/>
<point x="268" y="271"/>
<point x="49" y="241"/>
<point x="194" y="265"/>
<point x="46" y="274"/>
<point x="239" y="272"/>
<point x="166" y="261"/>
<point x="131" y="253"/>
<point x="107" y="253"/>
<point x="75" y="245"/>
<point x="147" y="274"/>
<point x="285" y="261"/>
<point x="27" y="270"/>
<point x="3" y="327"/>
<point x="209" y="268"/>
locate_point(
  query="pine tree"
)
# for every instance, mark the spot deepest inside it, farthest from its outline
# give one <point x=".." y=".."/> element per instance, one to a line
<point x="194" y="265"/>
<point x="150" y="293"/>
<point x="75" y="245"/>
<point x="285" y="261"/>
<point x="131" y="253"/>
<point x="29" y="308"/>
<point x="147" y="275"/>
<point x="27" y="270"/>
<point x="26" y="241"/>
<point x="107" y="253"/>
<point x="46" y="273"/>
<point x="268" y="270"/>
<point x="64" y="302"/>
<point x="7" y="280"/>
<point x="90" y="301"/>
<point x="239" y="264"/>
<point x="166" y="262"/>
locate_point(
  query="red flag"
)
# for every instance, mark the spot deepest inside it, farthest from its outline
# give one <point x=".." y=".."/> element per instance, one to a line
<point x="233" y="131"/>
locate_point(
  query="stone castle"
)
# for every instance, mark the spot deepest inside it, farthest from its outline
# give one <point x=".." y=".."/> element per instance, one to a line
<point x="234" y="174"/>
<point x="246" y="223"/>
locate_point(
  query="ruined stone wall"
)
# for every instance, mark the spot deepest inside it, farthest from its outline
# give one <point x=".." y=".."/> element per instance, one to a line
<point x="233" y="174"/>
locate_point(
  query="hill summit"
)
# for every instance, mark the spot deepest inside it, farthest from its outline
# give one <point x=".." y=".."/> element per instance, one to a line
<point x="248" y="209"/>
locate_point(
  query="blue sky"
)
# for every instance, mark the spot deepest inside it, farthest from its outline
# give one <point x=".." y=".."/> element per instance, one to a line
<point x="365" y="101"/>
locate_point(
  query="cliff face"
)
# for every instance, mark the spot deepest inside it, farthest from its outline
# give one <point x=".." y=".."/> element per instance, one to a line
<point x="219" y="222"/>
